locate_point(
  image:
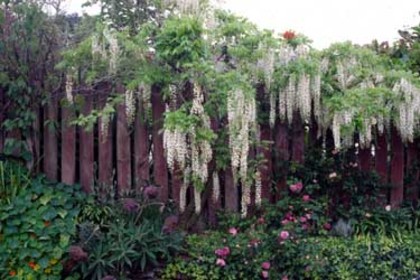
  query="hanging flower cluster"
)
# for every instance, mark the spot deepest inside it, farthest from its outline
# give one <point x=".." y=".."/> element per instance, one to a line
<point x="182" y="146"/>
<point x="266" y="65"/>
<point x="300" y="89"/>
<point x="242" y="121"/>
<point x="258" y="186"/>
<point x="216" y="187"/>
<point x="407" y="109"/>
<point x="69" y="88"/>
<point x="130" y="106"/>
<point x="114" y="50"/>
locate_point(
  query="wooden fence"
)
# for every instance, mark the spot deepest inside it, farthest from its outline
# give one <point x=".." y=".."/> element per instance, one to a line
<point x="130" y="157"/>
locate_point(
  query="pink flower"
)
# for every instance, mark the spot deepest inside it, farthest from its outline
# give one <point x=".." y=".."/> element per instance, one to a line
<point x="306" y="198"/>
<point x="284" y="235"/>
<point x="151" y="191"/>
<point x="303" y="219"/>
<point x="285" y="277"/>
<point x="305" y="226"/>
<point x="261" y="221"/>
<point x="327" y="226"/>
<point x="222" y="252"/>
<point x="130" y="205"/>
<point x="285" y="222"/>
<point x="289" y="216"/>
<point x="233" y="231"/>
<point x="220" y="262"/>
<point x="308" y="216"/>
<point x="266" y="265"/>
<point x="296" y="188"/>
<point x="264" y="274"/>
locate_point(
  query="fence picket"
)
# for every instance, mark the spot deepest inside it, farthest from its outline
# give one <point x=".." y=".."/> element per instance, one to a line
<point x="397" y="169"/>
<point x="123" y="152"/>
<point x="68" y="147"/>
<point x="86" y="150"/>
<point x="160" y="168"/>
<point x="50" y="140"/>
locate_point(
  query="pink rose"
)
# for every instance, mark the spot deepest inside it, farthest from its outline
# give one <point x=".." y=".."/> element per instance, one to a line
<point x="285" y="277"/>
<point x="303" y="219"/>
<point x="220" y="262"/>
<point x="264" y="274"/>
<point x="306" y="198"/>
<point x="285" y="222"/>
<point x="308" y="216"/>
<point x="296" y="188"/>
<point x="222" y="252"/>
<point x="284" y="235"/>
<point x="266" y="265"/>
<point x="233" y="231"/>
<point x="289" y="216"/>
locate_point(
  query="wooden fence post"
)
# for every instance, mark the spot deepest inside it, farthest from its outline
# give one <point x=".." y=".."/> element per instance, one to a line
<point x="365" y="159"/>
<point x="105" y="148"/>
<point x="50" y="140"/>
<point x="381" y="163"/>
<point x="267" y="167"/>
<point x="160" y="168"/>
<point x="298" y="136"/>
<point x="412" y="190"/>
<point x="123" y="151"/>
<point x="68" y="146"/>
<point x="141" y="148"/>
<point x="281" y="155"/>
<point x="231" y="191"/>
<point x="397" y="168"/>
<point x="86" y="150"/>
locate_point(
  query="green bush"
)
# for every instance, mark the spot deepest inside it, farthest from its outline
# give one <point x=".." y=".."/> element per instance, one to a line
<point x="35" y="230"/>
<point x="13" y="177"/>
<point x="323" y="257"/>
<point x="128" y="239"/>
<point x="360" y="257"/>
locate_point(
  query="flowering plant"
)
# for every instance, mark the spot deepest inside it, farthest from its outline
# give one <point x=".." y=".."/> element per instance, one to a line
<point x="35" y="230"/>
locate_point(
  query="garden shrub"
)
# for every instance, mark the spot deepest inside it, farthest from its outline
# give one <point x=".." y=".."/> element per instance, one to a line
<point x="129" y="239"/>
<point x="36" y="228"/>
<point x="360" y="257"/>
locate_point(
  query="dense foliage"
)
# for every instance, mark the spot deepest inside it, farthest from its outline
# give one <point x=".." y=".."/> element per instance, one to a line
<point x="36" y="227"/>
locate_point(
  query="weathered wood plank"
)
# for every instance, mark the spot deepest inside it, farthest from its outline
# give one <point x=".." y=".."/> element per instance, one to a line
<point x="298" y="136"/>
<point x="86" y="150"/>
<point x="381" y="164"/>
<point x="68" y="146"/>
<point x="105" y="150"/>
<point x="50" y="140"/>
<point x="267" y="166"/>
<point x="365" y="159"/>
<point x="231" y="191"/>
<point x="281" y="155"/>
<point x="412" y="189"/>
<point x="141" y="148"/>
<point x="160" y="168"/>
<point x="123" y="152"/>
<point x="397" y="169"/>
